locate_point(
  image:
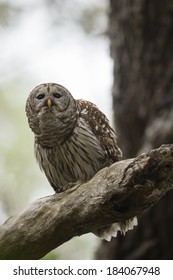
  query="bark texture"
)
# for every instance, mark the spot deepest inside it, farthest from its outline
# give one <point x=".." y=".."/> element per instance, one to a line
<point x="141" y="34"/>
<point x="114" y="194"/>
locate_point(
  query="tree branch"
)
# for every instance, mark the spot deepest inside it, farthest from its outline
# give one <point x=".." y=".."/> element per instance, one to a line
<point x="114" y="194"/>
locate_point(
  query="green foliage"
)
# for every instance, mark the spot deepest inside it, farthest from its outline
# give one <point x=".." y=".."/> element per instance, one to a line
<point x="17" y="179"/>
<point x="89" y="17"/>
<point x="21" y="181"/>
<point x="51" y="256"/>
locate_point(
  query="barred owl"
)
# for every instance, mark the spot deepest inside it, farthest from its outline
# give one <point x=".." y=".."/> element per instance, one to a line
<point x="73" y="141"/>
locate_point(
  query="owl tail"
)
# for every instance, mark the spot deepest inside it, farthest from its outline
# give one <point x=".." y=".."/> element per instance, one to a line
<point x="112" y="230"/>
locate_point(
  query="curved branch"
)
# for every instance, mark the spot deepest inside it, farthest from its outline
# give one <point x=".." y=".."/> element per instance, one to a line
<point x="114" y="194"/>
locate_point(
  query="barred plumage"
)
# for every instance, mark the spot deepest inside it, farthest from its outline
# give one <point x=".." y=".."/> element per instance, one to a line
<point x="73" y="140"/>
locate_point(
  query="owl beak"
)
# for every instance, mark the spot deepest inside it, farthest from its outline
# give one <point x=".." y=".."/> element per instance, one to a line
<point x="49" y="103"/>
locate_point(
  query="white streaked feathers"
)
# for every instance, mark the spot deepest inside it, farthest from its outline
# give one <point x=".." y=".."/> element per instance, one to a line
<point x="71" y="165"/>
<point x="112" y="230"/>
<point x="73" y="141"/>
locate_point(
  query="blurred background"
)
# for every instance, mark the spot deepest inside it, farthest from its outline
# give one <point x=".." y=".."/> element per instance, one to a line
<point x="71" y="42"/>
<point x="47" y="41"/>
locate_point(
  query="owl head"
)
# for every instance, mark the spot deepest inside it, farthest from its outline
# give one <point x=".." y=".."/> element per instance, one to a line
<point x="50" y="108"/>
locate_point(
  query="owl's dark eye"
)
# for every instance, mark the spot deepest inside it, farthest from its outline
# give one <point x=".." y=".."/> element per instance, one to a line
<point x="40" y="96"/>
<point x="57" y="95"/>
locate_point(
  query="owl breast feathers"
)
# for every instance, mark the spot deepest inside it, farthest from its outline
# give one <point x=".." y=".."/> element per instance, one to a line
<point x="73" y="138"/>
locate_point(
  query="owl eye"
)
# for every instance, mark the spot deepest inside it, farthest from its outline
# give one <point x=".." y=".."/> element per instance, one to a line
<point x="57" y="95"/>
<point x="40" y="96"/>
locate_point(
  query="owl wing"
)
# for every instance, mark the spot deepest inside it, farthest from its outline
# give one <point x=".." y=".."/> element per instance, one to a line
<point x="101" y="128"/>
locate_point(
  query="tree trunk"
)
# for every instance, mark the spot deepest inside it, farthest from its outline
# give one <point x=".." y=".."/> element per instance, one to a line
<point x="141" y="34"/>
